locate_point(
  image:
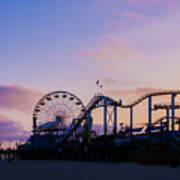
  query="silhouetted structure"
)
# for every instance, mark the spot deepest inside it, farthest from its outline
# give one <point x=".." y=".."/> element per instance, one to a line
<point x="155" y="143"/>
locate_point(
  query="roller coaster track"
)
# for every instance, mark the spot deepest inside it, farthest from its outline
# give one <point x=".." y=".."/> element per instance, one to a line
<point x="83" y="115"/>
<point x="164" y="118"/>
<point x="97" y="98"/>
<point x="142" y="98"/>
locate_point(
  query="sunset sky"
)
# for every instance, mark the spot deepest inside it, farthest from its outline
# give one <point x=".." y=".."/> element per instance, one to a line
<point x="131" y="46"/>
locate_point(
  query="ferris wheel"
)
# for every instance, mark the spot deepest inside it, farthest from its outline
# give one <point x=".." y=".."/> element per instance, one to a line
<point x="56" y="111"/>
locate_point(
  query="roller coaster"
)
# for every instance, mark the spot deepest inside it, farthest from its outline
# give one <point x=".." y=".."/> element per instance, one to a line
<point x="62" y="129"/>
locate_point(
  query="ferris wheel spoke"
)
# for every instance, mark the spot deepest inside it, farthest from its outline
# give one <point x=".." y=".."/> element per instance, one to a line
<point x="59" y="103"/>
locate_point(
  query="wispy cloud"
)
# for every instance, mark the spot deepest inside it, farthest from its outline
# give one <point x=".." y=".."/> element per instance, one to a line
<point x="142" y="1"/>
<point x="152" y="1"/>
<point x="133" y="15"/>
<point x="18" y="97"/>
<point x="130" y="95"/>
<point x="17" y="104"/>
<point x="11" y="130"/>
<point x="120" y="81"/>
<point x="109" y="81"/>
<point x="110" y="54"/>
<point x="133" y="92"/>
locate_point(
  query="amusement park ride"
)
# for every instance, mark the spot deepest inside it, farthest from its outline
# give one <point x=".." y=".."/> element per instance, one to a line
<point x="62" y="129"/>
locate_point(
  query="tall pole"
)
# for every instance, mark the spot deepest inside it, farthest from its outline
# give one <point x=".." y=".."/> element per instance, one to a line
<point x="105" y="120"/>
<point x="173" y="109"/>
<point x="167" y="118"/>
<point x="89" y="126"/>
<point x="115" y="119"/>
<point x="131" y="119"/>
<point x="149" y="113"/>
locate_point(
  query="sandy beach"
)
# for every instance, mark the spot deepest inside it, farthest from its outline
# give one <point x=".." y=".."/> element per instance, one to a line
<point x="53" y="170"/>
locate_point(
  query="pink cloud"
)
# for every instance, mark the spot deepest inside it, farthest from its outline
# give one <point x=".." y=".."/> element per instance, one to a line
<point x="109" y="81"/>
<point x="145" y="1"/>
<point x="18" y="97"/>
<point x="133" y="15"/>
<point x="88" y="53"/>
<point x="133" y="92"/>
<point x="17" y="104"/>
<point x="151" y="1"/>
<point x="170" y="4"/>
<point x="10" y="130"/>
<point x="118" y="81"/>
<point x="108" y="52"/>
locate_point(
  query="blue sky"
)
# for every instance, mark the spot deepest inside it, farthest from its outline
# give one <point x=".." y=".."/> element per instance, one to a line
<point x="38" y="38"/>
<point x="41" y="38"/>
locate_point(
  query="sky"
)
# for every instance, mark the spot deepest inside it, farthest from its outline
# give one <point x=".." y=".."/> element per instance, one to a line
<point x="131" y="46"/>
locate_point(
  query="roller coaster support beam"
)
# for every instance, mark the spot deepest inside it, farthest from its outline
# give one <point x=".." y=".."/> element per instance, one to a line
<point x="115" y="120"/>
<point x="173" y="95"/>
<point x="89" y="126"/>
<point x="167" y="118"/>
<point x="131" y="119"/>
<point x="149" y="112"/>
<point x="105" y="120"/>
